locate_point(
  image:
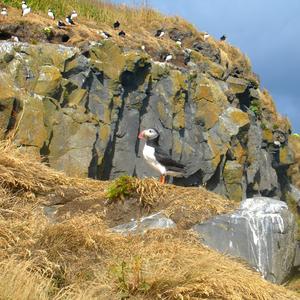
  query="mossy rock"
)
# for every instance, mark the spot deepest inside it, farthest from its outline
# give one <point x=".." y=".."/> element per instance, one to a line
<point x="48" y="81"/>
<point x="286" y="156"/>
<point x="109" y="58"/>
<point x="237" y="85"/>
<point x="233" y="176"/>
<point x="31" y="129"/>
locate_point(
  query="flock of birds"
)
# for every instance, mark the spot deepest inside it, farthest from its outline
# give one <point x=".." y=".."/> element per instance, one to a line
<point x="154" y="155"/>
<point x="69" y="21"/>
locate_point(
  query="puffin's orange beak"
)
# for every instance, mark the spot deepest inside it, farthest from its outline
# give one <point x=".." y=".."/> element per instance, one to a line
<point x="141" y="135"/>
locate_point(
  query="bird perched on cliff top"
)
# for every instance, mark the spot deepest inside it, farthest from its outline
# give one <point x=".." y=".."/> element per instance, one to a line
<point x="158" y="158"/>
<point x="168" y="57"/>
<point x="24" y="5"/>
<point x="69" y="20"/>
<point x="74" y="15"/>
<point x="223" y="38"/>
<point x="116" y="25"/>
<point x="51" y="14"/>
<point x="60" y="24"/>
<point x="179" y="43"/>
<point x="4" y="12"/>
<point x="206" y="36"/>
<point x="26" y="11"/>
<point x="159" y="33"/>
<point x="122" y="33"/>
<point x="104" y="35"/>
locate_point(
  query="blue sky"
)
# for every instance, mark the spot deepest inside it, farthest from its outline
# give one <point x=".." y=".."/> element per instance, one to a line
<point x="268" y="31"/>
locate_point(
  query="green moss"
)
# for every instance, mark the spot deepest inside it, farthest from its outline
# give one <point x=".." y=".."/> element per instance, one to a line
<point x="255" y="107"/>
<point x="121" y="188"/>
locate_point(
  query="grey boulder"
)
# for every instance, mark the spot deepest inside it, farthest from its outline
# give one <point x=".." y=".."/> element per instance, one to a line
<point x="156" y="221"/>
<point x="262" y="232"/>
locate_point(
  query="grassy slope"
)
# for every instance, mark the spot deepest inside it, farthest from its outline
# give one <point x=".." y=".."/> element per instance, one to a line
<point x="79" y="258"/>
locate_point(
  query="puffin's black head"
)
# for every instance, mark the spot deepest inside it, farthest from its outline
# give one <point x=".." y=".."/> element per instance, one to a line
<point x="149" y="134"/>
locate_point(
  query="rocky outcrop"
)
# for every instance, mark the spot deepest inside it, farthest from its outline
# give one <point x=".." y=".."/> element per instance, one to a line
<point x="156" y="221"/>
<point x="262" y="232"/>
<point x="80" y="110"/>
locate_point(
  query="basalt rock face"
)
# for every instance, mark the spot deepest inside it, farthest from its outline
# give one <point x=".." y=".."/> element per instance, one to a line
<point x="81" y="110"/>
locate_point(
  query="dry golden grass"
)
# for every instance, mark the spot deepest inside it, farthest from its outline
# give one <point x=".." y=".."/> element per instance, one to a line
<point x="80" y="258"/>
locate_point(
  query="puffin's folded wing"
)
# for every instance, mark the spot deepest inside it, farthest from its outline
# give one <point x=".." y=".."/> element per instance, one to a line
<point x="165" y="159"/>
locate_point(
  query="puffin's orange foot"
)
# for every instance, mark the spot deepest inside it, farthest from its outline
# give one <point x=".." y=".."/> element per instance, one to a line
<point x="162" y="179"/>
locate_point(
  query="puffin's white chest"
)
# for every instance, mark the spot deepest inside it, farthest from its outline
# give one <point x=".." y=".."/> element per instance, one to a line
<point x="148" y="153"/>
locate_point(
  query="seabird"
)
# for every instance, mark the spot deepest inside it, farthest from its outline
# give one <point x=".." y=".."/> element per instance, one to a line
<point x="178" y="43"/>
<point x="24" y="5"/>
<point x="206" y="36"/>
<point x="26" y="11"/>
<point x="168" y="57"/>
<point x="159" y="33"/>
<point x="60" y="24"/>
<point x="158" y="158"/>
<point x="104" y="34"/>
<point x="143" y="47"/>
<point x="122" y="33"/>
<point x="14" y="38"/>
<point x="117" y="25"/>
<point x="51" y="14"/>
<point x="4" y="12"/>
<point x="223" y="37"/>
<point x="74" y="15"/>
<point x="69" y="20"/>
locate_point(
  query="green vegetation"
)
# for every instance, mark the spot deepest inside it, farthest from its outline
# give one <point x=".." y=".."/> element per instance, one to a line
<point x="130" y="278"/>
<point x="96" y="10"/>
<point x="121" y="188"/>
<point x="255" y="107"/>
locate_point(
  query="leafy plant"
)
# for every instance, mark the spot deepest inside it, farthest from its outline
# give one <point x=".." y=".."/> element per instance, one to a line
<point x="121" y="188"/>
<point x="255" y="107"/>
<point x="129" y="277"/>
<point x="48" y="32"/>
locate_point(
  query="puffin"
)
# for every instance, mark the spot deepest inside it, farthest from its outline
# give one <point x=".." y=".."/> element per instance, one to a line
<point x="24" y="5"/>
<point x="51" y="14"/>
<point x="159" y="33"/>
<point x="223" y="37"/>
<point x="168" y="57"/>
<point x="117" y="25"/>
<point x="206" y="36"/>
<point x="104" y="35"/>
<point x="122" y="34"/>
<point x="26" y="11"/>
<point x="60" y="24"/>
<point x="74" y="15"/>
<point x="69" y="20"/>
<point x="4" y="12"/>
<point x="158" y="158"/>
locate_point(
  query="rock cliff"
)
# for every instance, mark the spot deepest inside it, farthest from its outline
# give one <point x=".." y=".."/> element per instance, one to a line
<point x="80" y="111"/>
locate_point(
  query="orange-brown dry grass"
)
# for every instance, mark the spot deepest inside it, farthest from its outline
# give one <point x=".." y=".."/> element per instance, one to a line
<point x="80" y="258"/>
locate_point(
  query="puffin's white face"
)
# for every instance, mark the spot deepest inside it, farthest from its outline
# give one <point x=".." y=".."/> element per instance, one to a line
<point x="148" y="134"/>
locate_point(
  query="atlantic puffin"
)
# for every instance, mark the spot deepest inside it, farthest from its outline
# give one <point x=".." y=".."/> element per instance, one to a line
<point x="116" y="25"/>
<point x="4" y="12"/>
<point x="158" y="158"/>
<point x="51" y="14"/>
<point x="159" y="33"/>
<point x="26" y="11"/>
<point x="223" y="38"/>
